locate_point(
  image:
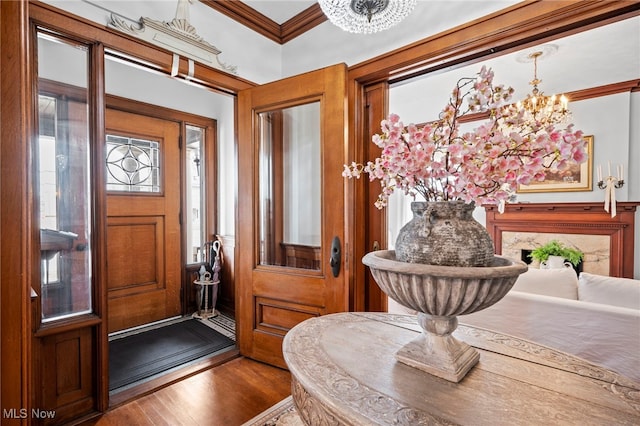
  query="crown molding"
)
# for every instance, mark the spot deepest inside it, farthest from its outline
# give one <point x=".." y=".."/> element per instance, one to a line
<point x="302" y="22"/>
<point x="577" y="95"/>
<point x="256" y="21"/>
<point x="608" y="89"/>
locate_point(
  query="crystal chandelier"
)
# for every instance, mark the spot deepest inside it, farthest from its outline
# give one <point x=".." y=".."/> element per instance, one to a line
<point x="537" y="106"/>
<point x="366" y="16"/>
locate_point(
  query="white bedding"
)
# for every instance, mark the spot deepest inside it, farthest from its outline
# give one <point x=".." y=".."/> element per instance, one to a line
<point x="601" y="334"/>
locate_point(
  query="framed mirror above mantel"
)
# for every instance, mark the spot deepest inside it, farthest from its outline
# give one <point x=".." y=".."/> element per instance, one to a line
<point x="608" y="242"/>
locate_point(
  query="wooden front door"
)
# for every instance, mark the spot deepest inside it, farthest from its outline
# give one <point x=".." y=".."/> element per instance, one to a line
<point x="143" y="226"/>
<point x="291" y="216"/>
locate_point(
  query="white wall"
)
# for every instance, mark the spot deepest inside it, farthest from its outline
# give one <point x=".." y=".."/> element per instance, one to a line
<point x="258" y="59"/>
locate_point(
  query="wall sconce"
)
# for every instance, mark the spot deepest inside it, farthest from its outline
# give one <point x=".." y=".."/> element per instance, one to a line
<point x="610" y="184"/>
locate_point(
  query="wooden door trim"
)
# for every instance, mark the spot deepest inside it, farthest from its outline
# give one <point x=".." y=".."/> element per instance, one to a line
<point x="155" y="111"/>
<point x="366" y="223"/>
<point x="16" y="91"/>
<point x="377" y="101"/>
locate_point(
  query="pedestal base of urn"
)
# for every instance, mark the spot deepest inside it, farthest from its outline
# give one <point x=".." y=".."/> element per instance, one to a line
<point x="436" y="351"/>
<point x="443" y="356"/>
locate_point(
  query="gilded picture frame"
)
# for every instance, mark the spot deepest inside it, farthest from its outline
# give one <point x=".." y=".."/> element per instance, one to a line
<point x="577" y="178"/>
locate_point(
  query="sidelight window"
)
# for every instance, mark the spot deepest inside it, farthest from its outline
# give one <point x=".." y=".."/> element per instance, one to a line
<point x="196" y="193"/>
<point x="63" y="178"/>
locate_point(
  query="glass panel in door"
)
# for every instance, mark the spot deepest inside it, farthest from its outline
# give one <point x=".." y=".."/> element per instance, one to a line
<point x="289" y="187"/>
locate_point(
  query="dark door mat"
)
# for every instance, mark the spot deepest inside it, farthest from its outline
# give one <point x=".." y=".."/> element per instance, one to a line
<point x="148" y="353"/>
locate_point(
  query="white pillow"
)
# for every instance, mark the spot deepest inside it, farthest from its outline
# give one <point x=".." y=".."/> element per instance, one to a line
<point x="623" y="292"/>
<point x="561" y="282"/>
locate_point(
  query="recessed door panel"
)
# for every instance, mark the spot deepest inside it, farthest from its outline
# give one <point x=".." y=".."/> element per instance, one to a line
<point x="145" y="237"/>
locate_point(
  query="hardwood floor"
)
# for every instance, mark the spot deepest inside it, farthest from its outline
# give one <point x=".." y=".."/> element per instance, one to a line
<point x="227" y="395"/>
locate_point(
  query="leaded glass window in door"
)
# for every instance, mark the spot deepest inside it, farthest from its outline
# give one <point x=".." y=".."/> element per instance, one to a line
<point x="132" y="164"/>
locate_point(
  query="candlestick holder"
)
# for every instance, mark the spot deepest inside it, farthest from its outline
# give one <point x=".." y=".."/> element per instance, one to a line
<point x="617" y="183"/>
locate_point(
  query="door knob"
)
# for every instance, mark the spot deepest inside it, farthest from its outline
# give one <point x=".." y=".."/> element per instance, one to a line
<point x="335" y="256"/>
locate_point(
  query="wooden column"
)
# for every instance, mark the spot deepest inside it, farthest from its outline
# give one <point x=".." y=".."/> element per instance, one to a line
<point x="15" y="292"/>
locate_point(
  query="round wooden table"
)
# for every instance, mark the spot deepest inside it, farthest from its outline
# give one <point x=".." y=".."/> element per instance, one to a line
<point x="344" y="371"/>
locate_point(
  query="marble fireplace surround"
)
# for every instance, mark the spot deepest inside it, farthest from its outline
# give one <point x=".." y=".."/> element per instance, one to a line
<point x="608" y="243"/>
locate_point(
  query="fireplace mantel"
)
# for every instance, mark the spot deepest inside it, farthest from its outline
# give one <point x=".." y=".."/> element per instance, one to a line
<point x="571" y="218"/>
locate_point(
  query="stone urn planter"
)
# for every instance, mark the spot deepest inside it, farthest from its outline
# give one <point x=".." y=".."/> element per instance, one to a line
<point x="444" y="233"/>
<point x="439" y="294"/>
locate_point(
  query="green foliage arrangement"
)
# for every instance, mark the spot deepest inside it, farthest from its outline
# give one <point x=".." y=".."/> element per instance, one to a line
<point x="555" y="248"/>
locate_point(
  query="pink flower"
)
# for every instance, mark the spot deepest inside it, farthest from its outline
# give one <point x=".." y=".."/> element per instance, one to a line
<point x="437" y="162"/>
